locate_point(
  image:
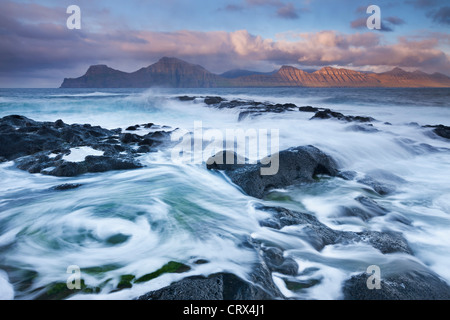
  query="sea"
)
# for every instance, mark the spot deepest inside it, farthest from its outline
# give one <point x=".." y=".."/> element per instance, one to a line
<point x="132" y="223"/>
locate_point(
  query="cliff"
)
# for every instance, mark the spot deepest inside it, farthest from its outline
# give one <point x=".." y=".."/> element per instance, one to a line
<point x="176" y="73"/>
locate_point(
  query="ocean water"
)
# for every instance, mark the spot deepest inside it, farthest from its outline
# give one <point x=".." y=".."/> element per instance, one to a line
<point x="182" y="212"/>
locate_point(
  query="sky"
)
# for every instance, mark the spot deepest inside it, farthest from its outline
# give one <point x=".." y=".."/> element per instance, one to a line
<point x="38" y="50"/>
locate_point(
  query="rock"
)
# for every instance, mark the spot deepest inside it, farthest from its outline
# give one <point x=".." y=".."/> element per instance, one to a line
<point x="276" y="262"/>
<point x="415" y="283"/>
<point x="347" y="175"/>
<point x="129" y="138"/>
<point x="133" y="128"/>
<point x="386" y="242"/>
<point x="296" y="165"/>
<point x="367" y="211"/>
<point x="186" y="98"/>
<point x="383" y="182"/>
<point x="213" y="100"/>
<point x="219" y="286"/>
<point x="441" y="130"/>
<point x="329" y="114"/>
<point x="319" y="235"/>
<point x="67" y="186"/>
<point x="308" y="109"/>
<point x="369" y="128"/>
<point x="39" y="147"/>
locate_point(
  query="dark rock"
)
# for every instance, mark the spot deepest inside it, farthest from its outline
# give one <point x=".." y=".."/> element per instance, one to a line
<point x="213" y="100"/>
<point x="185" y="98"/>
<point x="347" y="175"/>
<point x="367" y="211"/>
<point x="329" y="114"/>
<point x="415" y="283"/>
<point x="68" y="169"/>
<point x="129" y="138"/>
<point x="219" y="161"/>
<point x="59" y="123"/>
<point x="148" y="125"/>
<point x="132" y="128"/>
<point x="219" y="286"/>
<point x="386" y="242"/>
<point x="67" y="186"/>
<point x="143" y="149"/>
<point x="39" y="147"/>
<point x="369" y="128"/>
<point x="276" y="262"/>
<point x="308" y="109"/>
<point x="296" y="165"/>
<point x="383" y="182"/>
<point x="441" y="130"/>
<point x="319" y="235"/>
<point x="146" y="142"/>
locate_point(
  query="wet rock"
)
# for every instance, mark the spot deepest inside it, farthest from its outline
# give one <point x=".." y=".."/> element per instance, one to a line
<point x="441" y="130"/>
<point x="383" y="182"/>
<point x="186" y="98"/>
<point x="369" y="128"/>
<point x="296" y="165"/>
<point x="67" y="186"/>
<point x="213" y="100"/>
<point x="415" y="283"/>
<point x="276" y="262"/>
<point x="129" y="138"/>
<point x="386" y="242"/>
<point x="39" y="147"/>
<point x="318" y="235"/>
<point x="219" y="286"/>
<point x="347" y="175"/>
<point x="329" y="114"/>
<point x="368" y="209"/>
<point x="133" y="128"/>
<point x="308" y="109"/>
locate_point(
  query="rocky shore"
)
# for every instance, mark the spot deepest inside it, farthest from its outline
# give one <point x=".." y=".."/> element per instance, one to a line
<point x="50" y="147"/>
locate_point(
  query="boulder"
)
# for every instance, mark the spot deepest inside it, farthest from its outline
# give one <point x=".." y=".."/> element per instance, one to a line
<point x="296" y="165"/>
<point x="413" y="283"/>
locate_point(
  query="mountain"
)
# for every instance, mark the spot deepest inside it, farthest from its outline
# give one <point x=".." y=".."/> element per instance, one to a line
<point x="167" y="72"/>
<point x="176" y="73"/>
<point x="236" y="73"/>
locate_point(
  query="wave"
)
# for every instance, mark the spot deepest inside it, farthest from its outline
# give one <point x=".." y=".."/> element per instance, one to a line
<point x="89" y="95"/>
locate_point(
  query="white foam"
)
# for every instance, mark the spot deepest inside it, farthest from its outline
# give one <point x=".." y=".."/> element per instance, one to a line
<point x="6" y="289"/>
<point x="80" y="153"/>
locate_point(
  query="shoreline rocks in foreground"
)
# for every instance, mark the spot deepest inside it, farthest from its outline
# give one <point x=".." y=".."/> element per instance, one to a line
<point x="45" y="147"/>
<point x="295" y="165"/>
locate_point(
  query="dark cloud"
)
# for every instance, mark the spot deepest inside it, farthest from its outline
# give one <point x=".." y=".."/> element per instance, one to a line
<point x="442" y="15"/>
<point x="288" y="11"/>
<point x="233" y="7"/>
<point x="426" y="3"/>
<point x="39" y="49"/>
<point x="359" y="23"/>
<point x="283" y="10"/>
<point x="386" y="23"/>
<point x="395" y="20"/>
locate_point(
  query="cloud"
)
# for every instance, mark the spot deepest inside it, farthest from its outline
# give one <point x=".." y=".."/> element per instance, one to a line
<point x="386" y="23"/>
<point x="283" y="10"/>
<point x="425" y="3"/>
<point x="288" y="11"/>
<point x="395" y="20"/>
<point x="442" y="15"/>
<point x="233" y="7"/>
<point x="33" y="49"/>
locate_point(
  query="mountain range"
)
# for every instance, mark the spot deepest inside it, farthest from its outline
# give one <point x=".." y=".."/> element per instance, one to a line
<point x="176" y="73"/>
